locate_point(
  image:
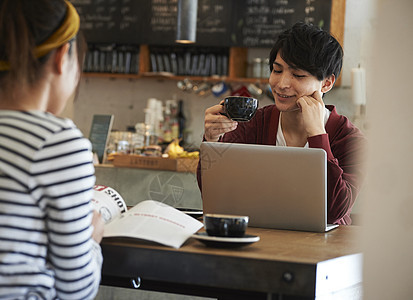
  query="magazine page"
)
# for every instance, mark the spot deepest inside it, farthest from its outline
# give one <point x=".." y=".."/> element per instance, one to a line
<point x="108" y="202"/>
<point x="154" y="221"/>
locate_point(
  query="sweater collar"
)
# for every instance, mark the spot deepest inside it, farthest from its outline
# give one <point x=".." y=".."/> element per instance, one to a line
<point x="275" y="116"/>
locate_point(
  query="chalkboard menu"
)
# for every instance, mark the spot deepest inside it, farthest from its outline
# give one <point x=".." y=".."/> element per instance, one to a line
<point x="223" y="23"/>
<point x="259" y="22"/>
<point x="99" y="134"/>
<point x="112" y="21"/>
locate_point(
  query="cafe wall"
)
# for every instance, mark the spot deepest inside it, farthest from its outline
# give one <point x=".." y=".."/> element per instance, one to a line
<point x="387" y="237"/>
<point x="127" y="98"/>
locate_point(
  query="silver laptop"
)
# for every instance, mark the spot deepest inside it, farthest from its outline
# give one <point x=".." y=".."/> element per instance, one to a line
<point x="277" y="187"/>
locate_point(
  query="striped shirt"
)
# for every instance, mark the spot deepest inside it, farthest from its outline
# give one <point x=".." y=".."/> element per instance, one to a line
<point x="46" y="184"/>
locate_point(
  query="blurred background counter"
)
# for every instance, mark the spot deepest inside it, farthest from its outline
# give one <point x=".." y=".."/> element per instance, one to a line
<point x="178" y="189"/>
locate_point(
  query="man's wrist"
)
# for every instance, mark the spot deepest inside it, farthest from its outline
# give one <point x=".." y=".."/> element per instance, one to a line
<point x="217" y="139"/>
<point x="316" y="132"/>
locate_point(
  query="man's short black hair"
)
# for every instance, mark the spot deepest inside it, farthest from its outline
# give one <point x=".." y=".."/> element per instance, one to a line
<point x="309" y="48"/>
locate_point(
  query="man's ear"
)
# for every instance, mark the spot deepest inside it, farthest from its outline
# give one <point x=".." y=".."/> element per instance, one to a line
<point x="60" y="57"/>
<point x="328" y="83"/>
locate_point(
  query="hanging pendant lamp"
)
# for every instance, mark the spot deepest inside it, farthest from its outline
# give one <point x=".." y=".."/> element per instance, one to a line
<point x="186" y="21"/>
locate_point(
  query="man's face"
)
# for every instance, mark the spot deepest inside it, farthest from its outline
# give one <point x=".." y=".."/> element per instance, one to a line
<point x="289" y="84"/>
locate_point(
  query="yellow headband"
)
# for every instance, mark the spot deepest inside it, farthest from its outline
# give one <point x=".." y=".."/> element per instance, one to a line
<point x="62" y="35"/>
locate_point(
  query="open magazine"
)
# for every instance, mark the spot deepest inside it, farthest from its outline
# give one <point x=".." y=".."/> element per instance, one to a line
<point x="149" y="220"/>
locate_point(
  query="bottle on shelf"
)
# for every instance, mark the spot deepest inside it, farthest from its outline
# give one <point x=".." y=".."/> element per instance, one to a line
<point x="167" y="133"/>
<point x="181" y="121"/>
<point x="173" y="107"/>
<point x="152" y="120"/>
<point x="256" y="67"/>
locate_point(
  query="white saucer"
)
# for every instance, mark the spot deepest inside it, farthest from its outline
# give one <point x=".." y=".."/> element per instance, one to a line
<point x="193" y="212"/>
<point x="218" y="241"/>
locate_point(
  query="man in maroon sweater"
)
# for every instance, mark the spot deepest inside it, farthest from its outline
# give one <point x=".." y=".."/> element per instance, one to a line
<point x="304" y="62"/>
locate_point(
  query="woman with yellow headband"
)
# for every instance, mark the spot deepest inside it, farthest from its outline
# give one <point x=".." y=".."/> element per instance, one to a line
<point x="49" y="236"/>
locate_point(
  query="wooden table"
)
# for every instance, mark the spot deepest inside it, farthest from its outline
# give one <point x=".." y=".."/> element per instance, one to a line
<point x="283" y="264"/>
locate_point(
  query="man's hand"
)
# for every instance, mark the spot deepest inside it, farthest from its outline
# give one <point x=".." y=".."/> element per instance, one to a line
<point x="312" y="108"/>
<point x="217" y="124"/>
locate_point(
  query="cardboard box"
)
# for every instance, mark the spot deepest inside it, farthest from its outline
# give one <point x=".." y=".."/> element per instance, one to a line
<point x="157" y="163"/>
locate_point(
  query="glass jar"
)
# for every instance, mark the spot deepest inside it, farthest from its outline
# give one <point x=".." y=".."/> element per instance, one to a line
<point x="265" y="68"/>
<point x="123" y="147"/>
<point x="256" y="67"/>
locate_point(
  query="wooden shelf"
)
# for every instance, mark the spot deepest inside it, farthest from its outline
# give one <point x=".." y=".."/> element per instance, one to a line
<point x="162" y="76"/>
<point x="110" y="75"/>
<point x="237" y="70"/>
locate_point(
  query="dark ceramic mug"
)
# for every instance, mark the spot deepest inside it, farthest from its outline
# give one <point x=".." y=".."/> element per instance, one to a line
<point x="225" y="225"/>
<point x="239" y="108"/>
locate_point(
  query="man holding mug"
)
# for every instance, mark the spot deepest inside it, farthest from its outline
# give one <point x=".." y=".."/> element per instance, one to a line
<point x="305" y="63"/>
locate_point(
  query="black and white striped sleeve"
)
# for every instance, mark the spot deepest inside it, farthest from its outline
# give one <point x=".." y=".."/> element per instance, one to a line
<point x="63" y="176"/>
